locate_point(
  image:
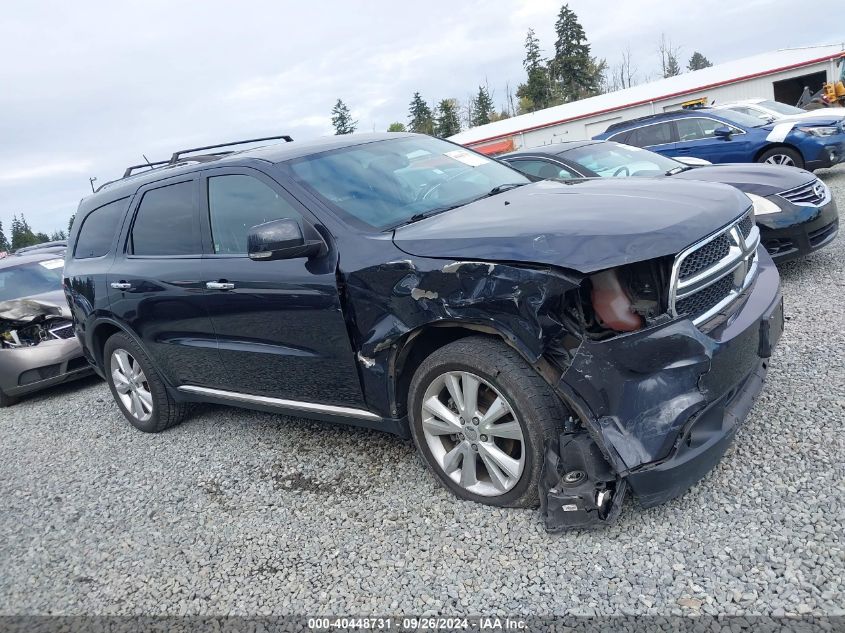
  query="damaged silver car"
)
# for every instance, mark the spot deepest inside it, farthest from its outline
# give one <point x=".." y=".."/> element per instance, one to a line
<point x="38" y="346"/>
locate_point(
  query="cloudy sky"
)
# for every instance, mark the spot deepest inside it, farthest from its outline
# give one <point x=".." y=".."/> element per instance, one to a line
<point x="87" y="87"/>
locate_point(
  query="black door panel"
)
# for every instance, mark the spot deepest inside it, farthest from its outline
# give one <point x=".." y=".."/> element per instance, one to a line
<point x="161" y="297"/>
<point x="281" y="330"/>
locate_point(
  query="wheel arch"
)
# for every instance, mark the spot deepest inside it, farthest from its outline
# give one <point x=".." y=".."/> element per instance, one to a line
<point x="426" y="339"/>
<point x="771" y="146"/>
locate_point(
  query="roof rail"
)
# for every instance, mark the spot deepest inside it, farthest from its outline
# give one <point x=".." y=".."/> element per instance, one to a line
<point x="148" y="165"/>
<point x="177" y="156"/>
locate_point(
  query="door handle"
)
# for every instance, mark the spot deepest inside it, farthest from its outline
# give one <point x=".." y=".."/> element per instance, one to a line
<point x="120" y="285"/>
<point x="219" y="285"/>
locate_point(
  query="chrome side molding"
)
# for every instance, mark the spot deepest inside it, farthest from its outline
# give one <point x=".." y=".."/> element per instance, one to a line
<point x="290" y="405"/>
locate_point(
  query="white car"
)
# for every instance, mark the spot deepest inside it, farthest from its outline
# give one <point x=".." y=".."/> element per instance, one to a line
<point x="771" y="111"/>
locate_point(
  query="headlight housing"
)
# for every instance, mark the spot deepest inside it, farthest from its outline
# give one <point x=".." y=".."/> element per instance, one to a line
<point x="822" y="130"/>
<point x="762" y="206"/>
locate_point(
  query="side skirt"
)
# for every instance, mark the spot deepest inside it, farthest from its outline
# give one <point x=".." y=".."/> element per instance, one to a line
<point x="327" y="412"/>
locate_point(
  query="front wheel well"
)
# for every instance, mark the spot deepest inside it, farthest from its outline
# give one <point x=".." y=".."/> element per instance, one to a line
<point x="772" y="146"/>
<point x="420" y="344"/>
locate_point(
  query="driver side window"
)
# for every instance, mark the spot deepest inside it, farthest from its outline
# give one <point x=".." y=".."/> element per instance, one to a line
<point x="236" y="203"/>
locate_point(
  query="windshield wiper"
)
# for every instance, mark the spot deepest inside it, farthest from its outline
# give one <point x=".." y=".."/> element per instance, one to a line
<point x="505" y="187"/>
<point x="678" y="170"/>
<point x="422" y="216"/>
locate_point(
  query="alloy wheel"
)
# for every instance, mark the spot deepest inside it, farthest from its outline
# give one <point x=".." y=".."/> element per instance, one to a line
<point x="473" y="433"/>
<point x="780" y="159"/>
<point x="131" y="385"/>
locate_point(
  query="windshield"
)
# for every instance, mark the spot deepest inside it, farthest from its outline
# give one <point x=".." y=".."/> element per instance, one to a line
<point x="30" y="279"/>
<point x="610" y="159"/>
<point x="738" y="118"/>
<point x="781" y="108"/>
<point x="387" y="183"/>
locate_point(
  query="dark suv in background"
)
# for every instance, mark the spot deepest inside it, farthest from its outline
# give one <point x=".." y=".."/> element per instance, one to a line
<point x="566" y="341"/>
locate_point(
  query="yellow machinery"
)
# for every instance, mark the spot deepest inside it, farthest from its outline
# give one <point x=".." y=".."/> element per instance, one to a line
<point x="833" y="93"/>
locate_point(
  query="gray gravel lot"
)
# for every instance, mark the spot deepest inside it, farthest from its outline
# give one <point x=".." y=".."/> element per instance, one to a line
<point x="237" y="512"/>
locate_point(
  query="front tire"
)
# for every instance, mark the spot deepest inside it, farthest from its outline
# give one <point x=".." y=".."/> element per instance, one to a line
<point x="480" y="416"/>
<point x="782" y="156"/>
<point x="137" y="388"/>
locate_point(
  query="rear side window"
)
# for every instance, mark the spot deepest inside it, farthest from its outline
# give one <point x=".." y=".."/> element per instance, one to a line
<point x="97" y="231"/>
<point x="167" y="222"/>
<point x="651" y="135"/>
<point x="236" y="203"/>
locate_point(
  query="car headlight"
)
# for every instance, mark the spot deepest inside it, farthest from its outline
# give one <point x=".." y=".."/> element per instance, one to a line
<point x="823" y="130"/>
<point x="762" y="206"/>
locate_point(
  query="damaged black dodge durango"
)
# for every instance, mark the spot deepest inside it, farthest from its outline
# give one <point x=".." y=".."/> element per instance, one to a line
<point x="562" y="342"/>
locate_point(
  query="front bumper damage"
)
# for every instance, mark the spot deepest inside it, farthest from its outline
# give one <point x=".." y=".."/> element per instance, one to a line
<point x="661" y="406"/>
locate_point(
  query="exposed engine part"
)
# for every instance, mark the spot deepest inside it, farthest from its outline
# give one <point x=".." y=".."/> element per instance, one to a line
<point x="612" y="304"/>
<point x="578" y="489"/>
<point x="28" y="322"/>
<point x="34" y="333"/>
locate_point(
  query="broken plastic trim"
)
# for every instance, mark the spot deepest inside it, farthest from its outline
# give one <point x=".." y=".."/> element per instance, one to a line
<point x="578" y="489"/>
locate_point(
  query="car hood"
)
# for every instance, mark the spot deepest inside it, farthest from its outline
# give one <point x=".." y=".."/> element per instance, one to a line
<point x="762" y="180"/>
<point x="823" y="116"/>
<point x="584" y="225"/>
<point x="25" y="309"/>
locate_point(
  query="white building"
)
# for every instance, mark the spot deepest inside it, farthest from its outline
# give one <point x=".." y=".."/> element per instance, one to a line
<point x="780" y="75"/>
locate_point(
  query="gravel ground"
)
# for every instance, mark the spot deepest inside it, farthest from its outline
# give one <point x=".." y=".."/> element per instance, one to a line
<point x="236" y="512"/>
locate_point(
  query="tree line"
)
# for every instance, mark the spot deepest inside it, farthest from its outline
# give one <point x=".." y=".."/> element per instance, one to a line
<point x="569" y="74"/>
<point x="21" y="235"/>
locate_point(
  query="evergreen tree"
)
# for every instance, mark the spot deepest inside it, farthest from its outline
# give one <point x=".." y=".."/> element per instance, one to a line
<point x="42" y="237"/>
<point x="70" y="223"/>
<point x="673" y="68"/>
<point x="396" y="127"/>
<point x="448" y="119"/>
<point x="57" y="236"/>
<point x="698" y="61"/>
<point x="342" y="119"/>
<point x="22" y="234"/>
<point x="572" y="67"/>
<point x="668" y="57"/>
<point x="536" y="92"/>
<point x="481" y="108"/>
<point x="420" y="117"/>
<point x="533" y="57"/>
<point x="4" y="242"/>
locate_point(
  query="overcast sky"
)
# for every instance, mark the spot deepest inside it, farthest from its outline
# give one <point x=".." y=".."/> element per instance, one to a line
<point x="87" y="87"/>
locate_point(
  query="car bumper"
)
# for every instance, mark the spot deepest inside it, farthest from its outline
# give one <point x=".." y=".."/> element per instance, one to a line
<point x="662" y="404"/>
<point x="28" y="369"/>
<point x="800" y="231"/>
<point x="832" y="153"/>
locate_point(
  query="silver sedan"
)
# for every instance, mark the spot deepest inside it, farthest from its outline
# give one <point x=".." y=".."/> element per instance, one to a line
<point x="38" y="346"/>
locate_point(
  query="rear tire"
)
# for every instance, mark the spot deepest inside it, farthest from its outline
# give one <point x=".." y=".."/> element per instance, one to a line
<point x="782" y="156"/>
<point x="137" y="387"/>
<point x="491" y="452"/>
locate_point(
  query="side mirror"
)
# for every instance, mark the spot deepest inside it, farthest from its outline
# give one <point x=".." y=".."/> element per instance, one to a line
<point x="281" y="239"/>
<point x="723" y="132"/>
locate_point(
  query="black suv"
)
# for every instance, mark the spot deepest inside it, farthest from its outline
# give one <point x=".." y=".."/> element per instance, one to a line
<point x="565" y="341"/>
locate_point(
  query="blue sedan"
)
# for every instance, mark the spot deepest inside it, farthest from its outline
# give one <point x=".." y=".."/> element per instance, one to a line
<point x="723" y="136"/>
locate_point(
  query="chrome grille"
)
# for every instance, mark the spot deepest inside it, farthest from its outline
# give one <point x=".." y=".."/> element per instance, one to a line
<point x="814" y="193"/>
<point x="705" y="256"/>
<point x="702" y="301"/>
<point x="746" y="224"/>
<point x="708" y="276"/>
<point x="63" y="330"/>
